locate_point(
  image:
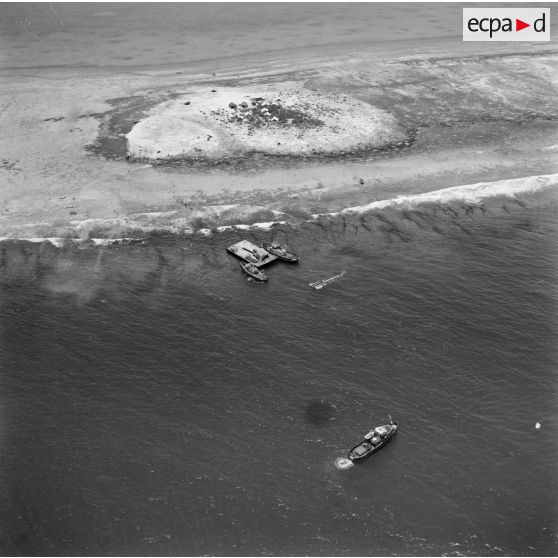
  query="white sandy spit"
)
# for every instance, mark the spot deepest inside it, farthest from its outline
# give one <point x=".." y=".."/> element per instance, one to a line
<point x="232" y="121"/>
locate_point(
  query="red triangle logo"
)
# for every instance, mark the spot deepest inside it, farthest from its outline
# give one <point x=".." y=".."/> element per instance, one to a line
<point x="519" y="25"/>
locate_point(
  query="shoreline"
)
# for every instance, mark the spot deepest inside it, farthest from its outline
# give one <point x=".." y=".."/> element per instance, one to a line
<point x="242" y="218"/>
<point x="467" y="130"/>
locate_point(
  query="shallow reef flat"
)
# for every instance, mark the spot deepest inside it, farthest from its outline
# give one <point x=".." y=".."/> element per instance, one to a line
<point x="85" y="151"/>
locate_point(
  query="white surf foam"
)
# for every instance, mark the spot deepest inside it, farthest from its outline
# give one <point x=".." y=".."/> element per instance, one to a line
<point x="108" y="241"/>
<point x="174" y="222"/>
<point x="55" y="241"/>
<point x="264" y="226"/>
<point x="470" y="193"/>
<point x="60" y="242"/>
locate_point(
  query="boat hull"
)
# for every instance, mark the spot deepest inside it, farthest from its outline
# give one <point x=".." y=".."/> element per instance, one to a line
<point x="323" y="282"/>
<point x="280" y="253"/>
<point x="256" y="273"/>
<point x="366" y="448"/>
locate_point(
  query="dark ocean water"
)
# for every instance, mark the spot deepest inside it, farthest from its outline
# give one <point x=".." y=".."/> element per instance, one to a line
<point x="156" y="402"/>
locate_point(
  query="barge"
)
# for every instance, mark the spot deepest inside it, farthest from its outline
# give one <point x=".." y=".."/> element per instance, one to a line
<point x="255" y="257"/>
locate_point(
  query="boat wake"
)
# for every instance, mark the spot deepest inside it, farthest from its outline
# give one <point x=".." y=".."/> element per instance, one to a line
<point x="343" y="463"/>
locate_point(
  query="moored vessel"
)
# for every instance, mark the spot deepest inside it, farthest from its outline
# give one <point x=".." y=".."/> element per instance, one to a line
<point x="280" y="252"/>
<point x="253" y="271"/>
<point x="376" y="439"/>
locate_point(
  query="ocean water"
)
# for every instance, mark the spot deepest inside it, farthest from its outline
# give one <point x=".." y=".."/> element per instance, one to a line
<point x="154" y="401"/>
<point x="95" y="34"/>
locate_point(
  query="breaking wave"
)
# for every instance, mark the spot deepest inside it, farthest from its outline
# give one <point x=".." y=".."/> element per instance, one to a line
<point x="216" y="219"/>
<point x="61" y="242"/>
<point x="469" y="193"/>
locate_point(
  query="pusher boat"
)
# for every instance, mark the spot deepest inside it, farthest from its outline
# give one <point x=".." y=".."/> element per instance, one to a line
<point x="280" y="252"/>
<point x="253" y="271"/>
<point x="376" y="439"/>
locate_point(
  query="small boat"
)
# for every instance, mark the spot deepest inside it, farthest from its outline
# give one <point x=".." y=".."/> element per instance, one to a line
<point x="253" y="271"/>
<point x="323" y="282"/>
<point x="375" y="440"/>
<point x="280" y="252"/>
<point x="252" y="258"/>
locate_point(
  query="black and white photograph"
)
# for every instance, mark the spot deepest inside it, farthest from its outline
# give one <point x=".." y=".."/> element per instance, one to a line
<point x="278" y="279"/>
